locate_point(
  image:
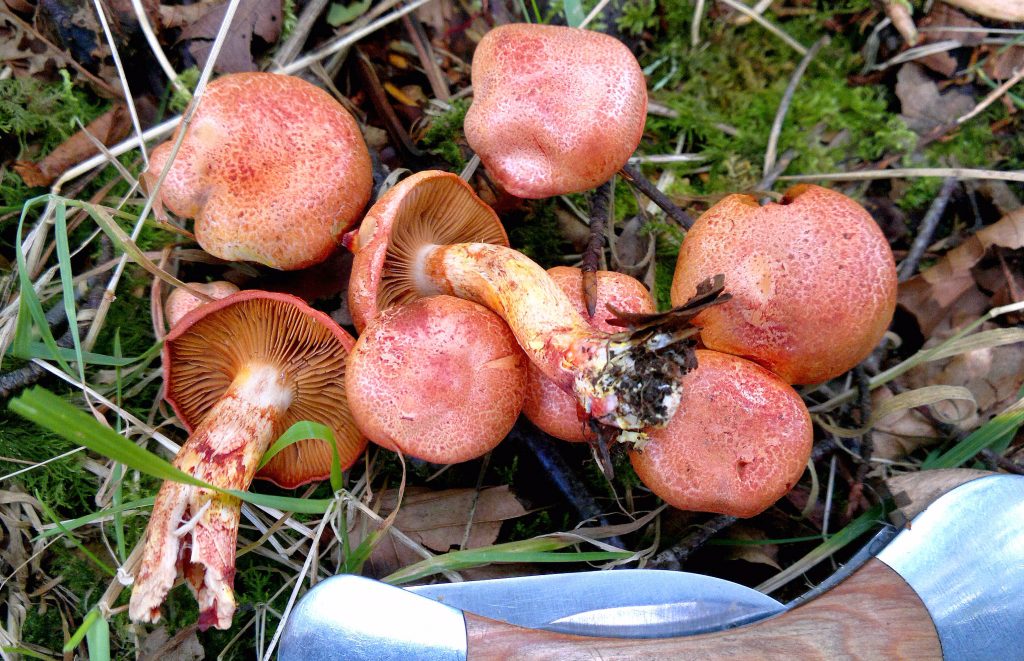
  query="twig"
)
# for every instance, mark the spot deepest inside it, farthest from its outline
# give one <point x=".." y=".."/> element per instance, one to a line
<point x="926" y="230"/>
<point x="698" y="15"/>
<point x="636" y="179"/>
<point x="992" y="97"/>
<point x="772" y="175"/>
<point x="374" y="89"/>
<point x="767" y="25"/>
<point x="672" y="558"/>
<point x="561" y="476"/>
<point x="896" y="173"/>
<point x="1000" y="461"/>
<point x="418" y="36"/>
<point x="599" y="211"/>
<point x="787" y="99"/>
<point x="594" y="13"/>
<point x="307" y="19"/>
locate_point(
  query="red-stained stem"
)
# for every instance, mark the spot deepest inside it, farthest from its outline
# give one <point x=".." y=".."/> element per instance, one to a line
<point x="193" y="531"/>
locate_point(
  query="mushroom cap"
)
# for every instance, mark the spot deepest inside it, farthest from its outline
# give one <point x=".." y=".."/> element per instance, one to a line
<point x="205" y="351"/>
<point x="441" y="379"/>
<point x="181" y="301"/>
<point x="740" y="440"/>
<point x="550" y="408"/>
<point x="813" y="281"/>
<point x="555" y="109"/>
<point x="273" y="169"/>
<point x="430" y="207"/>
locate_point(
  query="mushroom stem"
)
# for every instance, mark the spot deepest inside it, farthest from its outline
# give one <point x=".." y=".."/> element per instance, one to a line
<point x="193" y="531"/>
<point x="630" y="381"/>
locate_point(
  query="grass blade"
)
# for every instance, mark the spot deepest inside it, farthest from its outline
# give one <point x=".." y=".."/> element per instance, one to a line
<point x="1002" y="427"/>
<point x="50" y="411"/>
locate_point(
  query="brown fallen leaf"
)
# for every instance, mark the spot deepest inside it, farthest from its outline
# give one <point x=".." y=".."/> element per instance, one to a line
<point x="109" y="128"/>
<point x="922" y="107"/>
<point x="1002" y="62"/>
<point x="930" y="295"/>
<point x="758" y="554"/>
<point x="897" y="435"/>
<point x="945" y="16"/>
<point x="253" y="17"/>
<point x="1001" y="10"/>
<point x="436" y="520"/>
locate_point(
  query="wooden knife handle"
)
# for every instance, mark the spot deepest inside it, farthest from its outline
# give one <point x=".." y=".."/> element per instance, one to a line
<point x="873" y="614"/>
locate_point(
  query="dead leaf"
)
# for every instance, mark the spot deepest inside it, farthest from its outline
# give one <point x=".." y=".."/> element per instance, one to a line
<point x="923" y="107"/>
<point x="944" y="16"/>
<point x="930" y="295"/>
<point x="758" y="554"/>
<point x="897" y="435"/>
<point x="1003" y="62"/>
<point x="108" y="128"/>
<point x="184" y="646"/>
<point x="25" y="53"/>
<point x="1001" y="10"/>
<point x="253" y="17"/>
<point x="436" y="520"/>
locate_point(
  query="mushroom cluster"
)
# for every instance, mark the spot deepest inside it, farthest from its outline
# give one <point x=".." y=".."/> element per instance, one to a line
<point x="459" y="333"/>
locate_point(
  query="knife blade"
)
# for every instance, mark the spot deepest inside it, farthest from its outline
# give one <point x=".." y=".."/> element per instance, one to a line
<point x="949" y="583"/>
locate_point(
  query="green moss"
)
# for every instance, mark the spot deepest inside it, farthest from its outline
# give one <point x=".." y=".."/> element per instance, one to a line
<point x="43" y="628"/>
<point x="538" y="236"/>
<point x="64" y="484"/>
<point x="444" y="137"/>
<point x="180" y="99"/>
<point x="42" y="113"/>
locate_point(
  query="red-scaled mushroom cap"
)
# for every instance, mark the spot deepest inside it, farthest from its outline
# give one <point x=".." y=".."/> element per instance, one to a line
<point x="428" y="208"/>
<point x="441" y="379"/>
<point x="739" y="441"/>
<point x="555" y="109"/>
<point x="210" y="345"/>
<point x="181" y="301"/>
<point x="813" y="281"/>
<point x="550" y="408"/>
<point x="273" y="170"/>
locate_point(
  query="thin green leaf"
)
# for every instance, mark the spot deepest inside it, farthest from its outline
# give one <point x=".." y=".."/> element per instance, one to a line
<point x="340" y="14"/>
<point x="83" y="629"/>
<point x="29" y="308"/>
<point x="574" y="13"/>
<point x="40" y="350"/>
<point x="97" y="639"/>
<point x="763" y="542"/>
<point x="27" y="652"/>
<point x="538" y="549"/>
<point x="54" y="519"/>
<point x="853" y="530"/>
<point x="999" y="429"/>
<point x="60" y="227"/>
<point x="307" y="430"/>
<point x="50" y="411"/>
<point x="114" y="510"/>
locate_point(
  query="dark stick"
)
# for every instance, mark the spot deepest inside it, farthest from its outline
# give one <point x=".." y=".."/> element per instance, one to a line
<point x="560" y="474"/>
<point x="599" y="213"/>
<point x="926" y="229"/>
<point x="672" y="558"/>
<point x="636" y="179"/>
<point x="1000" y="461"/>
<point x="867" y="444"/>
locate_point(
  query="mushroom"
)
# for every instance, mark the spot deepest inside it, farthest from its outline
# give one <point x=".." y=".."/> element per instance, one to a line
<point x="273" y="170"/>
<point x="740" y="441"/>
<point x="812" y="278"/>
<point x="403" y="250"/>
<point x="550" y="408"/>
<point x="181" y="301"/>
<point x="440" y="379"/>
<point x="555" y="109"/>
<point x="238" y="372"/>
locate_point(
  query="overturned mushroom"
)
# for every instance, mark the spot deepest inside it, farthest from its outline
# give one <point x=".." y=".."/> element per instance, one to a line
<point x="238" y="372"/>
<point x="440" y="379"/>
<point x="555" y="109"/>
<point x="626" y="380"/>
<point x="273" y="170"/>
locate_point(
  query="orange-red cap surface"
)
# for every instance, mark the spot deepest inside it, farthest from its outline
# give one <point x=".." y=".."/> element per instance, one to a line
<point x="813" y="281"/>
<point x="273" y="169"/>
<point x="738" y="443"/>
<point x="555" y="109"/>
<point x="440" y="378"/>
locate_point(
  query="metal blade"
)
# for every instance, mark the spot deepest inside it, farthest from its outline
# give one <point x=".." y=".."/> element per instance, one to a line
<point x="634" y="603"/>
<point x="964" y="556"/>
